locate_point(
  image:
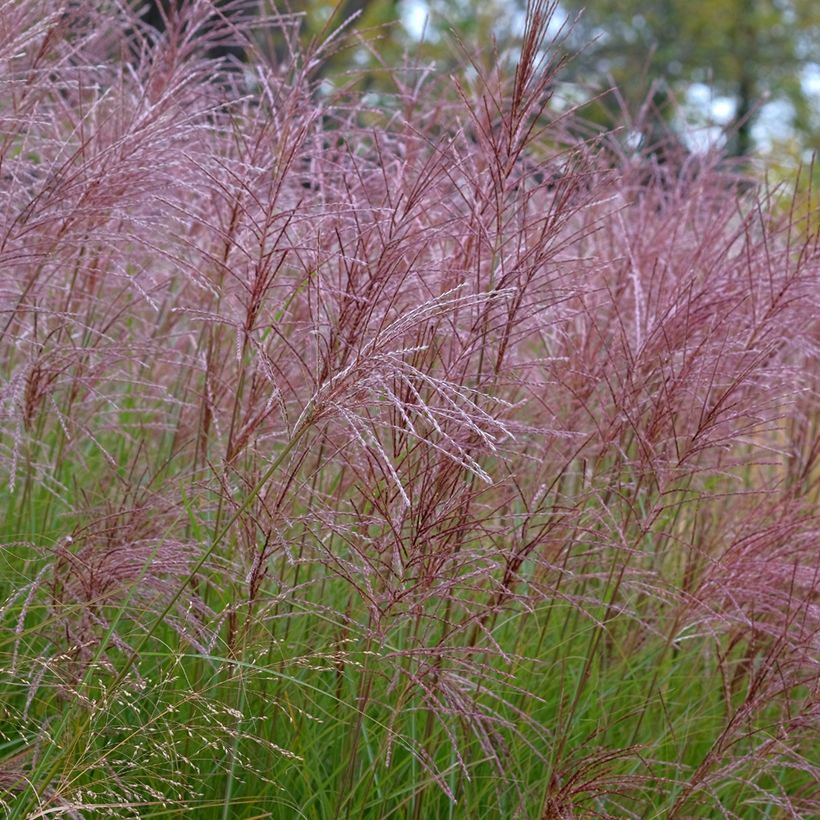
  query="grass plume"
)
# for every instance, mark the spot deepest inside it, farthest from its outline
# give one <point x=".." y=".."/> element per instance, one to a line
<point x="405" y="453"/>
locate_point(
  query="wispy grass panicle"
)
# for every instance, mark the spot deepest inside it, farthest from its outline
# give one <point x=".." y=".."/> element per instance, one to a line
<point x="404" y="452"/>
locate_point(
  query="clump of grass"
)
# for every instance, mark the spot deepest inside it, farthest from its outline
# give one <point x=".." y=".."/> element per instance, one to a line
<point x="420" y="459"/>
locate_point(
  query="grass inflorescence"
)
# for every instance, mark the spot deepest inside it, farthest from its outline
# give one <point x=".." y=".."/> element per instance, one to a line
<point x="408" y="452"/>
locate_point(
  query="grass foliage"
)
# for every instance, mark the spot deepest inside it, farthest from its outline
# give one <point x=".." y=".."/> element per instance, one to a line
<point x="376" y="455"/>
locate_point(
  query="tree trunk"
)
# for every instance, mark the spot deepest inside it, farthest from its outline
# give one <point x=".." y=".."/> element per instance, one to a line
<point x="745" y="47"/>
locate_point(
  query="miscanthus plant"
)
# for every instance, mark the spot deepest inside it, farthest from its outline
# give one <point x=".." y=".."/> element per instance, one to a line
<point x="391" y="454"/>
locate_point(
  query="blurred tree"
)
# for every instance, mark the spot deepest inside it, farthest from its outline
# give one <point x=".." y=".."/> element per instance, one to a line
<point x="318" y="22"/>
<point x="390" y="30"/>
<point x="752" y="51"/>
<point x="385" y="30"/>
